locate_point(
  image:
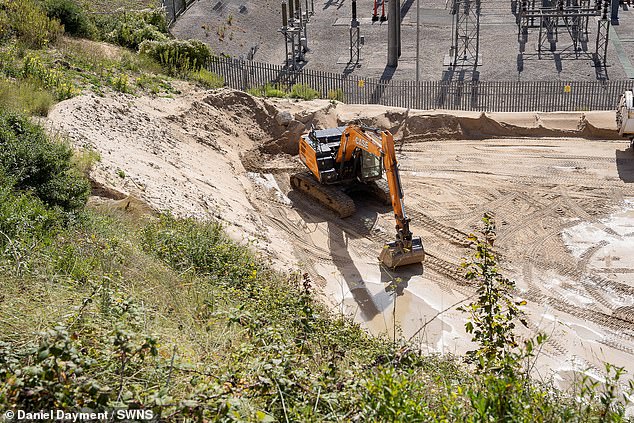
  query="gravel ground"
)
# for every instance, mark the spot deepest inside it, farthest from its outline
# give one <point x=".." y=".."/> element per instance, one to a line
<point x="235" y="26"/>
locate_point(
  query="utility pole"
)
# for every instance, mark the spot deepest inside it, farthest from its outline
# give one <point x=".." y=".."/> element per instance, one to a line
<point x="393" y="32"/>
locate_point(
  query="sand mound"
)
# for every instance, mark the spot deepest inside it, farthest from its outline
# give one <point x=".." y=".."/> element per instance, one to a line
<point x="475" y="125"/>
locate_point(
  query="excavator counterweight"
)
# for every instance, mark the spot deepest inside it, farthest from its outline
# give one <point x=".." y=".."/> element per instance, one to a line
<point x="353" y="157"/>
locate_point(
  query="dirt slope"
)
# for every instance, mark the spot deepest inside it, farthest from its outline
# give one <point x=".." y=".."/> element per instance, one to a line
<point x="563" y="204"/>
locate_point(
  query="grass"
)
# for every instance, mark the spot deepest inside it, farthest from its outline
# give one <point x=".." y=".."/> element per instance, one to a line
<point x="110" y="6"/>
<point x="207" y="79"/>
<point x="25" y="97"/>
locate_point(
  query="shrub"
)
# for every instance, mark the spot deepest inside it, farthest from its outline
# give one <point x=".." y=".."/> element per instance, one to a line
<point x="203" y="247"/>
<point x="207" y="79"/>
<point x="55" y="378"/>
<point x="177" y="55"/>
<point x="120" y="83"/>
<point x="29" y="23"/>
<point x="24" y="221"/>
<point x="71" y="16"/>
<point x="35" y="70"/>
<point x="33" y="162"/>
<point x="129" y="29"/>
<point x="304" y="92"/>
<point x="5" y="25"/>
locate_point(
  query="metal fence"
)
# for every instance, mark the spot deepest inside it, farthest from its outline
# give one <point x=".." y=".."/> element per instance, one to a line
<point x="490" y="96"/>
<point x="175" y="8"/>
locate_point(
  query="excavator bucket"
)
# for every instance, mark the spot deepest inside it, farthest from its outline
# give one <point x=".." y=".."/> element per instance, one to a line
<point x="393" y="255"/>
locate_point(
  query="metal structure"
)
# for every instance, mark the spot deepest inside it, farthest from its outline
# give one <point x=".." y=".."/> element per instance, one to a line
<point x="295" y="33"/>
<point x="603" y="31"/>
<point x="355" y="36"/>
<point x="465" y="47"/>
<point x="554" y="18"/>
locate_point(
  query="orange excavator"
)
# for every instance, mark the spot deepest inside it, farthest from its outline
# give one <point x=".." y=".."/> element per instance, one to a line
<point x="353" y="157"/>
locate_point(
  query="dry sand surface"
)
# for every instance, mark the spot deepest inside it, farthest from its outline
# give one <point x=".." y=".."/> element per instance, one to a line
<point x="560" y="186"/>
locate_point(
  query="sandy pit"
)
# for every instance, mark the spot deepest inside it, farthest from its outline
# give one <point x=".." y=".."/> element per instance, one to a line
<point x="560" y="186"/>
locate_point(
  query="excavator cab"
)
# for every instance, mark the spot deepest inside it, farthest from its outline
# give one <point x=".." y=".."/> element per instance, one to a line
<point x="371" y="167"/>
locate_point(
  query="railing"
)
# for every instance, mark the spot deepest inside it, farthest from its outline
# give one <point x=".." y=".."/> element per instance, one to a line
<point x="490" y="96"/>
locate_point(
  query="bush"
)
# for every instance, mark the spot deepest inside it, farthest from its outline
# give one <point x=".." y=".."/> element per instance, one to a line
<point x="27" y="21"/>
<point x="72" y="16"/>
<point x="177" y="56"/>
<point x="33" y="162"/>
<point x="37" y="71"/>
<point x="304" y="92"/>
<point x="129" y="29"/>
<point x="202" y="247"/>
<point x="55" y="379"/>
<point x="24" y="221"/>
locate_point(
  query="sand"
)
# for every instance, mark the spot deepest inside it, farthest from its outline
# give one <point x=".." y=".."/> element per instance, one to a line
<point x="558" y="184"/>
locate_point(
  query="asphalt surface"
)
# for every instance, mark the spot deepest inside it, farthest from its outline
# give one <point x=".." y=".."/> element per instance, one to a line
<point x="236" y="27"/>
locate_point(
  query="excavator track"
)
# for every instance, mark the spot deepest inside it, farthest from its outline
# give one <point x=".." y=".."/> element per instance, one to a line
<point x="328" y="196"/>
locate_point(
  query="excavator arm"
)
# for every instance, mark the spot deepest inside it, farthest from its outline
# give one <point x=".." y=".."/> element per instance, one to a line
<point x="406" y="249"/>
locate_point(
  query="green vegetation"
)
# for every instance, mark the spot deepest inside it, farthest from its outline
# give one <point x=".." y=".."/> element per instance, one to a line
<point x="27" y="21"/>
<point x="31" y="162"/>
<point x="207" y="79"/>
<point x="335" y="95"/>
<point x="130" y="29"/>
<point x="25" y="97"/>
<point x="177" y="56"/>
<point x="40" y="65"/>
<point x="72" y="16"/>
<point x="268" y="90"/>
<point x="100" y="308"/>
<point x="304" y="92"/>
<point x="171" y="315"/>
<point x="299" y="91"/>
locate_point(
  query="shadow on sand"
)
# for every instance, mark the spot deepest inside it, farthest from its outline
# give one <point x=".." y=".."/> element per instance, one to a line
<point x="625" y="165"/>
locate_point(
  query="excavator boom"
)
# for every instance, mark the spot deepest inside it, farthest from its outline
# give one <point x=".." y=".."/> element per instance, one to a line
<point x="361" y="154"/>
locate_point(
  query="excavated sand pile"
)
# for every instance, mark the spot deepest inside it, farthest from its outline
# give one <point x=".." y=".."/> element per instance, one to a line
<point x="559" y="185"/>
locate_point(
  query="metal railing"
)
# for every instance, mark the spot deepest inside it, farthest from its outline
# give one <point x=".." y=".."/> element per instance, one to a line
<point x="489" y="96"/>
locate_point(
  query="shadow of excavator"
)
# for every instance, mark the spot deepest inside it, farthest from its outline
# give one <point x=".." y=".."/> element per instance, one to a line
<point x="340" y="232"/>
